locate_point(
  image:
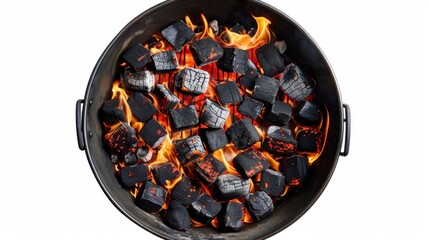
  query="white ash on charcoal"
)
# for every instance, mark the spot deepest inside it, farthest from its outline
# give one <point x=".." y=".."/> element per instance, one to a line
<point x="250" y="107"/>
<point x="229" y="93"/>
<point x="214" y="139"/>
<point x="137" y="56"/>
<point x="259" y="205"/>
<point x="165" y="172"/>
<point x="231" y="217"/>
<point x="228" y="186"/>
<point x="281" y="46"/>
<point x="185" y="192"/>
<point x="307" y="113"/>
<point x="243" y="134"/>
<point x="178" y="35"/>
<point x="250" y="162"/>
<point x="295" y="83"/>
<point x="209" y="168"/>
<point x="143" y="81"/>
<point x="279" y="140"/>
<point x="248" y="78"/>
<point x="144" y="154"/>
<point x="270" y="60"/>
<point x="151" y="197"/>
<point x="167" y="100"/>
<point x="130" y="158"/>
<point x="165" y="61"/>
<point x="214" y="116"/>
<point x="206" y="51"/>
<point x="112" y="112"/>
<point x="192" y="80"/>
<point x="214" y="25"/>
<point x="189" y="149"/>
<point x="309" y="141"/>
<point x="177" y="216"/>
<point x="266" y="89"/>
<point x="130" y="175"/>
<point x="233" y="60"/>
<point x="121" y="139"/>
<point x="278" y="113"/>
<point x="204" y="209"/>
<point x="153" y="133"/>
<point x="141" y="107"/>
<point x="295" y="169"/>
<point x="272" y="183"/>
<point x="184" y="118"/>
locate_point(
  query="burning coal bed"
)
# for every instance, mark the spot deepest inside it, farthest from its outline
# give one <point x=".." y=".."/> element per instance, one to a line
<point x="210" y="125"/>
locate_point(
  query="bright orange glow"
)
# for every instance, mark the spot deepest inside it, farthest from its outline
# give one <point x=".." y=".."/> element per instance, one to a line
<point x="246" y="217"/>
<point x="284" y="191"/>
<point x="171" y="184"/>
<point x="196" y="224"/>
<point x="273" y="163"/>
<point x="134" y="192"/>
<point x="252" y="186"/>
<point x="215" y="222"/>
<point x="226" y="155"/>
<point x="189" y="23"/>
<point x="207" y="31"/>
<point x="120" y="94"/>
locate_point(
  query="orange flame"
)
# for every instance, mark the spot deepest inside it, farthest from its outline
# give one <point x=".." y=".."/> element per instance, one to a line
<point x="226" y="155"/>
<point x="169" y="185"/>
<point x="207" y="31"/>
<point x="120" y="94"/>
<point x="247" y="217"/>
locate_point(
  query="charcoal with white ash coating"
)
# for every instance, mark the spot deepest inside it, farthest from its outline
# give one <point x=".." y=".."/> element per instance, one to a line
<point x="229" y="93"/>
<point x="214" y="116"/>
<point x="272" y="183"/>
<point x="248" y="78"/>
<point x="228" y="186"/>
<point x="309" y="141"/>
<point x="214" y="25"/>
<point x="137" y="56"/>
<point x="250" y="162"/>
<point x="259" y="205"/>
<point x="165" y="172"/>
<point x="143" y="81"/>
<point x="307" y="113"/>
<point x="279" y="140"/>
<point x="250" y="107"/>
<point x="178" y="34"/>
<point x="295" y="83"/>
<point x="153" y="133"/>
<point x="112" y="112"/>
<point x="278" y="113"/>
<point x="295" y="169"/>
<point x="243" y="134"/>
<point x="130" y="158"/>
<point x="184" y="118"/>
<point x="165" y="61"/>
<point x="233" y="60"/>
<point x="185" y="192"/>
<point x="177" y="216"/>
<point x="189" y="149"/>
<point x="150" y="197"/>
<point x="266" y="89"/>
<point x="206" y="51"/>
<point x="141" y="107"/>
<point x="270" y="60"/>
<point x="167" y="100"/>
<point x="231" y="216"/>
<point x="144" y="154"/>
<point x="209" y="168"/>
<point x="214" y="139"/>
<point x="204" y="209"/>
<point x="131" y="175"/>
<point x="121" y="139"/>
<point x="192" y="80"/>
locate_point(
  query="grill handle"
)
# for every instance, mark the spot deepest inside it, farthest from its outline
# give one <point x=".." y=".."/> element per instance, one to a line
<point x="347" y="123"/>
<point x="79" y="121"/>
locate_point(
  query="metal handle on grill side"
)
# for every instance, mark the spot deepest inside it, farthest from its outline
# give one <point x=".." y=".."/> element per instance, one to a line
<point x="347" y="122"/>
<point x="79" y="122"/>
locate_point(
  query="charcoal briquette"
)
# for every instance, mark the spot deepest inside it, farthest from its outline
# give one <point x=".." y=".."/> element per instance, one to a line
<point x="131" y="175"/>
<point x="248" y="78"/>
<point x="184" y="118"/>
<point x="206" y="51"/>
<point x="309" y="141"/>
<point x="307" y="114"/>
<point x="259" y="205"/>
<point x="229" y="93"/>
<point x="165" y="172"/>
<point x="167" y="100"/>
<point x="185" y="192"/>
<point x="295" y="169"/>
<point x="178" y="34"/>
<point x="121" y="139"/>
<point x="130" y="158"/>
<point x="214" y="116"/>
<point x="209" y="168"/>
<point x="141" y="107"/>
<point x="137" y="56"/>
<point x="189" y="149"/>
<point x="112" y="112"/>
<point x="233" y="60"/>
<point x="231" y="216"/>
<point x="270" y="60"/>
<point x="266" y="89"/>
<point x="177" y="216"/>
<point x="278" y="113"/>
<point x="204" y="209"/>
<point x="165" y="61"/>
<point x="192" y="80"/>
<point x="272" y="182"/>
<point x="243" y="134"/>
<point x="250" y="162"/>
<point x="214" y="138"/>
<point x="153" y="133"/>
<point x="143" y="81"/>
<point x="151" y="197"/>
<point x="250" y="107"/>
<point x="295" y="83"/>
<point x="279" y="141"/>
<point x="144" y="154"/>
<point x="228" y="186"/>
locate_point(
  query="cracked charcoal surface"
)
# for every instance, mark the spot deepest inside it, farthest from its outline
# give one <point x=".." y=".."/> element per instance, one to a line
<point x="165" y="61"/>
<point x="178" y="34"/>
<point x="166" y="98"/>
<point x="266" y="89"/>
<point x="233" y="60"/>
<point x="206" y="51"/>
<point x="259" y="205"/>
<point x="295" y="83"/>
<point x="192" y="80"/>
<point x="143" y="81"/>
<point x="229" y="186"/>
<point x="214" y="116"/>
<point x="229" y="93"/>
<point x="250" y="107"/>
<point x="185" y="117"/>
<point x="190" y="149"/>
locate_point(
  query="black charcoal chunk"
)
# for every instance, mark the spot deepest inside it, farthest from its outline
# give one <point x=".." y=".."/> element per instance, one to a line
<point x="112" y="112"/>
<point x="214" y="116"/>
<point x="143" y="81"/>
<point x="266" y="89"/>
<point x="249" y="77"/>
<point x="206" y="51"/>
<point x="307" y="113"/>
<point x="281" y="46"/>
<point x="189" y="149"/>
<point x="153" y="133"/>
<point x="150" y="197"/>
<point x="278" y="113"/>
<point x="250" y="162"/>
<point x="295" y="169"/>
<point x="237" y="28"/>
<point x="259" y="205"/>
<point x="209" y="168"/>
<point x="178" y="34"/>
<point x="279" y="141"/>
<point x="309" y="141"/>
<point x="130" y="158"/>
<point x="228" y="93"/>
<point x="204" y="209"/>
<point x="243" y="134"/>
<point x="114" y="158"/>
<point x="121" y="139"/>
<point x="214" y="138"/>
<point x="165" y="172"/>
<point x="192" y="80"/>
<point x="137" y="56"/>
<point x="228" y="186"/>
<point x="231" y="216"/>
<point x="185" y="192"/>
<point x="272" y="182"/>
<point x="233" y="60"/>
<point x="177" y="216"/>
<point x="167" y="100"/>
<point x="141" y="107"/>
<point x="270" y="60"/>
<point x="250" y="107"/>
<point x="144" y="154"/>
<point x="131" y="175"/>
<point x="295" y="83"/>
<point x="184" y="118"/>
<point x="165" y="61"/>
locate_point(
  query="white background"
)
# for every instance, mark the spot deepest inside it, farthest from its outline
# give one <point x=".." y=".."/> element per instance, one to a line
<point x="378" y="50"/>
